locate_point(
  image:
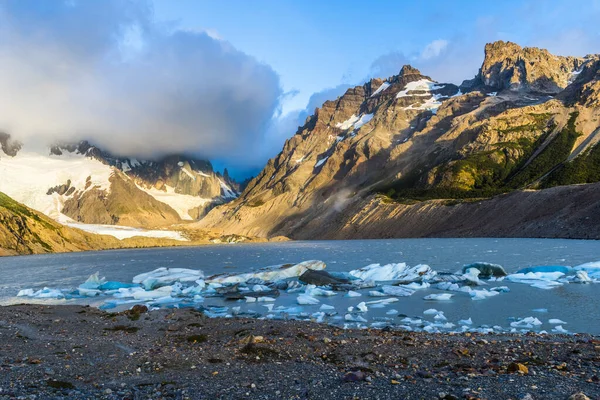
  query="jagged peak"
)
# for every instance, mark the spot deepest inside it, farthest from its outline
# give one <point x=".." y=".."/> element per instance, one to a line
<point x="409" y="70"/>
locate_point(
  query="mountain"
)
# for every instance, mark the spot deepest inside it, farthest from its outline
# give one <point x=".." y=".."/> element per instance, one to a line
<point x="25" y="231"/>
<point x="80" y="183"/>
<point x="396" y="157"/>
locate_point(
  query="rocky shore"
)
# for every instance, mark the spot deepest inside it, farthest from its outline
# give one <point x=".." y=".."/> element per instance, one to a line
<point x="73" y="352"/>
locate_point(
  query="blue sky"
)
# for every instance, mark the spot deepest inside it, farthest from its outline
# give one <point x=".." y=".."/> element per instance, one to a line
<point x="314" y="45"/>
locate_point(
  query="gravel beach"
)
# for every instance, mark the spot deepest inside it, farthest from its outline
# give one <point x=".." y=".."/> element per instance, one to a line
<point x="74" y="352"/>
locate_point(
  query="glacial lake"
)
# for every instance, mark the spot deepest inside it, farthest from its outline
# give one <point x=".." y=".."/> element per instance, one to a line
<point x="576" y="304"/>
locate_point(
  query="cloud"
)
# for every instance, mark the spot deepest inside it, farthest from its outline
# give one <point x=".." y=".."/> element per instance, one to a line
<point x="434" y="49"/>
<point x="388" y="64"/>
<point x="105" y="71"/>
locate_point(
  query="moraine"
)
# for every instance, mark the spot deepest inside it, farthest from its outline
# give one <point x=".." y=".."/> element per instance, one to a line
<point x="538" y="300"/>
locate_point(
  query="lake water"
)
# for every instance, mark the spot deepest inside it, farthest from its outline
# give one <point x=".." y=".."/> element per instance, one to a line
<point x="576" y="304"/>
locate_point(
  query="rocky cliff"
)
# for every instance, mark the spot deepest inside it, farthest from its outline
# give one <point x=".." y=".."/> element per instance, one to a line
<point x="528" y="120"/>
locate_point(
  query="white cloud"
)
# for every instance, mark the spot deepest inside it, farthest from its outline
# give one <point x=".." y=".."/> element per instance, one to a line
<point x="107" y="72"/>
<point x="433" y="49"/>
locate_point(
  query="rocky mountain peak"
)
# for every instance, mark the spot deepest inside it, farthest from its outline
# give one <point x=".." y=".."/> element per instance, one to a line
<point x="508" y="66"/>
<point x="409" y="70"/>
<point x="9" y="146"/>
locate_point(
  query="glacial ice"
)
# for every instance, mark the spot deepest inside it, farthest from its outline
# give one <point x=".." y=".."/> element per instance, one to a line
<point x="394" y="272"/>
<point x="555" y="321"/>
<point x="439" y="296"/>
<point x="352" y="293"/>
<point x="167" y="276"/>
<point x="400" y="291"/>
<point x="305" y="299"/>
<point x="270" y="274"/>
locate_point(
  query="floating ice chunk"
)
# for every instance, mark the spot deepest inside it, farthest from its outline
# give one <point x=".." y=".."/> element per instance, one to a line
<point x="393" y="272"/>
<point x="486" y="270"/>
<point x="528" y="322"/>
<point x="362" y="307"/>
<point x="270" y="274"/>
<point x="559" y="329"/>
<point x="312" y="290"/>
<point x="545" y="269"/>
<point x="88" y="292"/>
<point x="389" y="300"/>
<point x="269" y="307"/>
<point x="250" y="299"/>
<point x="375" y="293"/>
<point x="354" y="318"/>
<point x="113" y="285"/>
<point x="305" y="299"/>
<point x="501" y="289"/>
<point x="482" y="294"/>
<point x="555" y="321"/>
<point x="400" y="291"/>
<point x="417" y="286"/>
<point x="260" y="288"/>
<point x="265" y="299"/>
<point x="472" y="276"/>
<point x="93" y="282"/>
<point x="540" y="280"/>
<point x="326" y="307"/>
<point x="352" y="293"/>
<point x="582" y="277"/>
<point x="350" y="309"/>
<point x="408" y="320"/>
<point x="440" y="317"/>
<point x="447" y="286"/>
<point x="167" y="276"/>
<point x="152" y="294"/>
<point x="431" y="311"/>
<point x="465" y="322"/>
<point x="26" y="293"/>
<point x="392" y="312"/>
<point x="439" y="296"/>
<point x="540" y="310"/>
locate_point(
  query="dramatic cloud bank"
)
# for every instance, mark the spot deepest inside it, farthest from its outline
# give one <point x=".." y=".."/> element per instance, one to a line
<point x="105" y="71"/>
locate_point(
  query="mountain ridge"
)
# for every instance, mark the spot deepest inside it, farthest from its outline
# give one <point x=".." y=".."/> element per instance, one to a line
<point x="525" y="116"/>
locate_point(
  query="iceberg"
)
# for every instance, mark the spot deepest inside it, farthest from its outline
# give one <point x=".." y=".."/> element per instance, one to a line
<point x="152" y="294"/>
<point x="326" y="307"/>
<point x="486" y="270"/>
<point x="540" y="280"/>
<point x="431" y="311"/>
<point x="545" y="268"/>
<point x="305" y="299"/>
<point x="394" y="272"/>
<point x="362" y="307"/>
<point x="438" y="296"/>
<point x="167" y="276"/>
<point x="559" y="329"/>
<point x="270" y="274"/>
<point x="528" y="323"/>
<point x="45" y="293"/>
<point x="555" y="321"/>
<point x="465" y="322"/>
<point x="399" y="291"/>
<point x="482" y="294"/>
<point x="472" y="277"/>
<point x="352" y="293"/>
<point x="93" y="282"/>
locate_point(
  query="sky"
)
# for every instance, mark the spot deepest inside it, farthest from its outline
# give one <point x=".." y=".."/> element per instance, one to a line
<point x="232" y="80"/>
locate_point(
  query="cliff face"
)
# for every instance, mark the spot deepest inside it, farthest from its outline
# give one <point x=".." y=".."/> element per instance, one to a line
<point x="414" y="139"/>
<point x="508" y="66"/>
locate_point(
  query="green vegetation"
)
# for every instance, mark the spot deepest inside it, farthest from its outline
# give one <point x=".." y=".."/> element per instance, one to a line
<point x="555" y="153"/>
<point x="583" y="169"/>
<point x="505" y="168"/>
<point x="20" y="210"/>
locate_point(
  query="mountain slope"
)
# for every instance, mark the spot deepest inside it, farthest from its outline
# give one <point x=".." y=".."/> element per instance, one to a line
<point x="81" y="183"/>
<point x="24" y="231"/>
<point x="527" y="120"/>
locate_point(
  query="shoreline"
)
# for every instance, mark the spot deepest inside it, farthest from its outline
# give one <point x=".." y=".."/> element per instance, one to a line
<point x="67" y="351"/>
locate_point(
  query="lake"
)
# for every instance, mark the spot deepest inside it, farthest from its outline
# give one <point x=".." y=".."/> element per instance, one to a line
<point x="576" y="304"/>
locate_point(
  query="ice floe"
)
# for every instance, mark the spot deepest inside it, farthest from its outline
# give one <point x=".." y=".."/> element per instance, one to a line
<point x="384" y="284"/>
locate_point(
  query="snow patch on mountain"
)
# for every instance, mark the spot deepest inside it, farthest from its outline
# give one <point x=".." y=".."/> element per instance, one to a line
<point x="28" y="176"/>
<point x="227" y="192"/>
<point x="423" y="85"/>
<point x="125" y="232"/>
<point x="381" y="88"/>
<point x="181" y="203"/>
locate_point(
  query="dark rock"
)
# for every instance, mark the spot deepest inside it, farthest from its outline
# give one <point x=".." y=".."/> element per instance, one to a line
<point x="355" y="376"/>
<point x="320" y="278"/>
